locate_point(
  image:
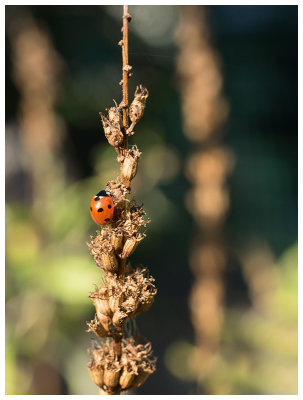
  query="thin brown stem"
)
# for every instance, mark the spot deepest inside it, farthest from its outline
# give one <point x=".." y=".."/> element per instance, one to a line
<point x="117" y="346"/>
<point x="125" y="74"/>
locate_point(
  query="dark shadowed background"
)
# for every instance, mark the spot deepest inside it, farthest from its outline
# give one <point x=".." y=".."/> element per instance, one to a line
<point x="63" y="66"/>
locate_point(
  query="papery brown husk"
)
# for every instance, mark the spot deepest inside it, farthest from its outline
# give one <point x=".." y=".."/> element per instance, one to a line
<point x="140" y="378"/>
<point x="96" y="327"/>
<point x="129" y="165"/>
<point x="116" y="240"/>
<point x="111" y="375"/>
<point x="109" y="261"/>
<point x="102" y="306"/>
<point x="133" y="368"/>
<point x="96" y="373"/>
<point x="132" y="296"/>
<point x="114" y="302"/>
<point x="130" y="246"/>
<point x="143" y="307"/>
<point x="137" y="106"/>
<point x="132" y="220"/>
<point x="103" y="252"/>
<point x="126" y="378"/>
<point x="100" y="299"/>
<point x="104" y="319"/>
<point x="112" y="129"/>
<point x="114" y="116"/>
<point x="117" y="190"/>
<point x="119" y="318"/>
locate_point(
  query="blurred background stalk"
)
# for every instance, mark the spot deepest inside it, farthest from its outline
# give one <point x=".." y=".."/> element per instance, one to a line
<point x="204" y="113"/>
<point x="35" y="69"/>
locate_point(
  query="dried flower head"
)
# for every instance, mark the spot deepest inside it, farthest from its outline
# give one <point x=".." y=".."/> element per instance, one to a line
<point x="112" y="126"/>
<point x="129" y="165"/>
<point x="131" y="244"/>
<point x="130" y="297"/>
<point x="117" y="190"/>
<point x="114" y="116"/>
<point x="133" y="218"/>
<point x="111" y="376"/>
<point x="96" y="373"/>
<point x="137" y="107"/>
<point x="116" y="239"/>
<point x="100" y="300"/>
<point x="136" y="364"/>
<point x="96" y="327"/>
<point x="103" y="251"/>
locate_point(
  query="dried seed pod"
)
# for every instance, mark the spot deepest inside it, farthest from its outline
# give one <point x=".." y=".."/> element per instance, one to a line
<point x="142" y="289"/>
<point x="126" y="378"/>
<point x="103" y="292"/>
<point x="133" y="368"/>
<point x="114" y="117"/>
<point x="129" y="165"/>
<point x="109" y="260"/>
<point x="111" y="375"/>
<point x="96" y="327"/>
<point x="112" y="131"/>
<point x="137" y="106"/>
<point x="140" y="378"/>
<point x="100" y="299"/>
<point x="129" y="247"/>
<point x="131" y="304"/>
<point x="96" y="373"/>
<point x="133" y="220"/>
<point x="131" y="244"/>
<point x="117" y="240"/>
<point x="118" y="318"/>
<point x="102" y="306"/>
<point x="145" y="306"/>
<point x="104" y="319"/>
<point x="131" y="296"/>
<point x="101" y="245"/>
<point x="117" y="191"/>
<point x="114" y="302"/>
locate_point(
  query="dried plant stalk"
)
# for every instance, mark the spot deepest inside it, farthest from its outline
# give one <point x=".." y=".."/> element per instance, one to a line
<point x="36" y="71"/>
<point x="204" y="112"/>
<point x="119" y="364"/>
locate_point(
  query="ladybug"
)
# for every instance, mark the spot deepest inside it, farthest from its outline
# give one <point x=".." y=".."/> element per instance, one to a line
<point x="102" y="208"/>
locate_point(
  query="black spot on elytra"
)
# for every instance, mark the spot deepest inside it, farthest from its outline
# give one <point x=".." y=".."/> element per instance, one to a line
<point x="109" y="206"/>
<point x="97" y="198"/>
<point x="106" y="219"/>
<point x="100" y="209"/>
<point x="91" y="209"/>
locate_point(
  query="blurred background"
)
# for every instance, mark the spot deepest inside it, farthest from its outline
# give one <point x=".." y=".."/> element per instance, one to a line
<point x="218" y="178"/>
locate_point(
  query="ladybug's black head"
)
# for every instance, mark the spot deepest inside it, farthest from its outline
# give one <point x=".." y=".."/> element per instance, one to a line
<point x="102" y="193"/>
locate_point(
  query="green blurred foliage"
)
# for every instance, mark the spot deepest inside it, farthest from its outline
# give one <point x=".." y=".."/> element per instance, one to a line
<point x="47" y="282"/>
<point x="259" y="347"/>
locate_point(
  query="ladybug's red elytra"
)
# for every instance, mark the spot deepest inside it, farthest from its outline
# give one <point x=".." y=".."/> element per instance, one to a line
<point x="102" y="208"/>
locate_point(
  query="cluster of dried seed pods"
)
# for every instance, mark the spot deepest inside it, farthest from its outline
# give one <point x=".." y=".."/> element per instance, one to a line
<point x="115" y="132"/>
<point x="117" y="300"/>
<point x="125" y="292"/>
<point x="132" y="370"/>
<point x="113" y="245"/>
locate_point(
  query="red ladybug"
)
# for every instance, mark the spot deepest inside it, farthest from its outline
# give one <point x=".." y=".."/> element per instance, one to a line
<point x="102" y="208"/>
